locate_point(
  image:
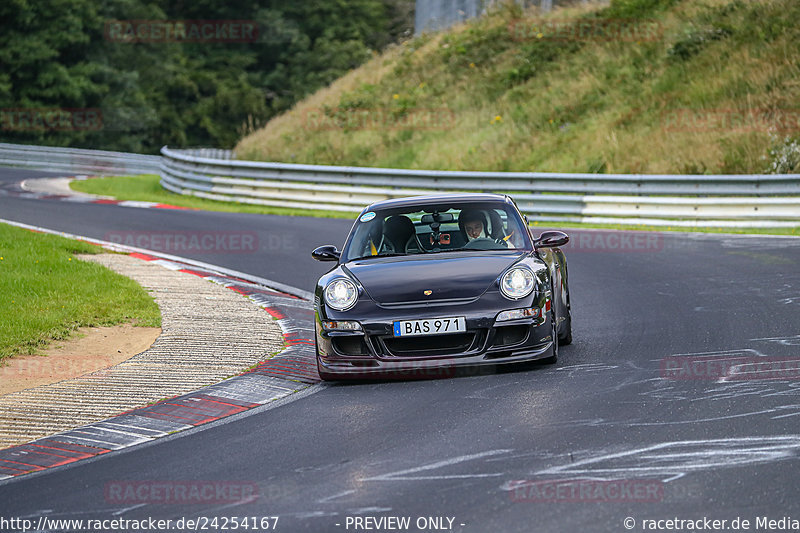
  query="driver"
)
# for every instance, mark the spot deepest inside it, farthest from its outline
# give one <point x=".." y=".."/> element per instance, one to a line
<point x="473" y="224"/>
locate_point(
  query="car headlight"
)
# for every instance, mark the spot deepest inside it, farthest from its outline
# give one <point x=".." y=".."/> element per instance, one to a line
<point x="341" y="294"/>
<point x="517" y="283"/>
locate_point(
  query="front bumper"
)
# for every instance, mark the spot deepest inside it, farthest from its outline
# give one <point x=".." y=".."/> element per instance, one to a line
<point x="375" y="353"/>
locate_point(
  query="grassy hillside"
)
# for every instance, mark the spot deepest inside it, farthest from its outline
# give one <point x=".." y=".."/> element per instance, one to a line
<point x="692" y="86"/>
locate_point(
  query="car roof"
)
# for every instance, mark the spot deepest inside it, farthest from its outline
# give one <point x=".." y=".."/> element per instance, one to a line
<point x="430" y="199"/>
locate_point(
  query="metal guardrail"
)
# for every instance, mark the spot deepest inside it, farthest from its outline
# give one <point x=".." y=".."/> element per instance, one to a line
<point x="77" y="161"/>
<point x="665" y="200"/>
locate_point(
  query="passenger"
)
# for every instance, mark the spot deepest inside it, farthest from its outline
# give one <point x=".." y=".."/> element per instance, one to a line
<point x="398" y="231"/>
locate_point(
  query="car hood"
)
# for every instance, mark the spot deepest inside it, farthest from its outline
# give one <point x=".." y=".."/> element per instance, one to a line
<point x="448" y="276"/>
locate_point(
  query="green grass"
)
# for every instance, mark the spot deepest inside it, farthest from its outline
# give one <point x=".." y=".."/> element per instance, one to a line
<point x="46" y="294"/>
<point x="146" y="188"/>
<point x="552" y="104"/>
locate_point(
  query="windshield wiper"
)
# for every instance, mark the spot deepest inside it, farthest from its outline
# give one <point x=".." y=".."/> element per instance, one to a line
<point x="477" y="249"/>
<point x="376" y="256"/>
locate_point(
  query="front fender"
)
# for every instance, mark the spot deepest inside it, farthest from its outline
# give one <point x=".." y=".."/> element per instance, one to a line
<point x="556" y="263"/>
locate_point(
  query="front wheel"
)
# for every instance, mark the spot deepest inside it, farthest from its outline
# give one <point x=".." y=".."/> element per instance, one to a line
<point x="566" y="336"/>
<point x="554" y="334"/>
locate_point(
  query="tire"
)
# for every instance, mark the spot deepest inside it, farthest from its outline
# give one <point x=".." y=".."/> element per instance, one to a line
<point x="554" y="333"/>
<point x="566" y="336"/>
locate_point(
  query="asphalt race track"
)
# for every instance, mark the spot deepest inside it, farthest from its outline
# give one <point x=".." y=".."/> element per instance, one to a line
<point x="504" y="450"/>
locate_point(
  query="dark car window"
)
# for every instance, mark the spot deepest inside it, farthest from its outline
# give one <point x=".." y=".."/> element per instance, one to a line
<point x="437" y="229"/>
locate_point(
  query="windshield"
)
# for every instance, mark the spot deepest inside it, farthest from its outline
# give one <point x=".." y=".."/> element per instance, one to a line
<point x="437" y="229"/>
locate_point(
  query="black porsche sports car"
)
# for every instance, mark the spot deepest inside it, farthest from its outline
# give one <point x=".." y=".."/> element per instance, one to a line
<point x="440" y="281"/>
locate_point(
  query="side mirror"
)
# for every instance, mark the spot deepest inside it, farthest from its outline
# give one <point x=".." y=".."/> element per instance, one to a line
<point x="551" y="239"/>
<point x="326" y="253"/>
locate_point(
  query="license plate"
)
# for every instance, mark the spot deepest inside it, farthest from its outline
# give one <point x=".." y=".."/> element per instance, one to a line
<point x="430" y="326"/>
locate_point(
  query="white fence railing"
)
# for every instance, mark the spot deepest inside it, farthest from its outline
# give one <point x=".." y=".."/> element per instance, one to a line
<point x="666" y="200"/>
<point x="77" y="161"/>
